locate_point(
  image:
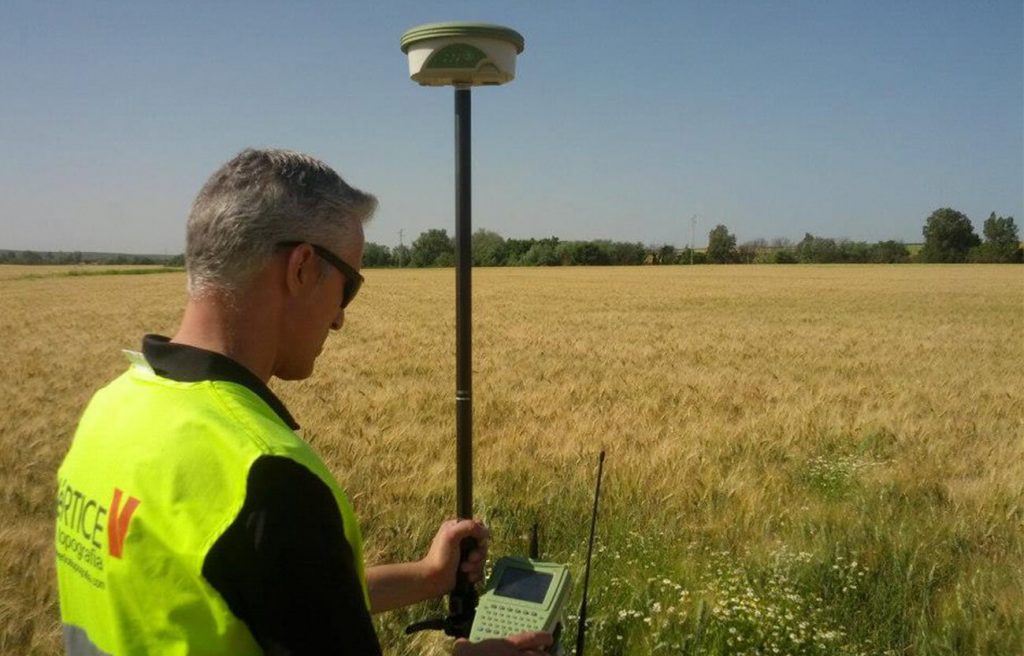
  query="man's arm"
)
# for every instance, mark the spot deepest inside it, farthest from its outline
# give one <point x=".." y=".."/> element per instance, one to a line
<point x="402" y="584"/>
<point x="285" y="568"/>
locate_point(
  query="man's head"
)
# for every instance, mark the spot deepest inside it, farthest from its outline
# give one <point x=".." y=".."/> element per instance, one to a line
<point x="278" y="235"/>
<point x="260" y="199"/>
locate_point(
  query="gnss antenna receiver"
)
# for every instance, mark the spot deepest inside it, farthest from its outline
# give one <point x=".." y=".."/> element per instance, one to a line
<point x="462" y="55"/>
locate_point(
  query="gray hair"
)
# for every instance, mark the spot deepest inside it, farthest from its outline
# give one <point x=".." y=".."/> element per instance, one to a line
<point x="259" y="199"/>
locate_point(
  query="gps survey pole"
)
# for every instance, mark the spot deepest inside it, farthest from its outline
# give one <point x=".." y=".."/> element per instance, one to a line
<point x="462" y="55"/>
<point x="463" y="305"/>
<point x="463" y="599"/>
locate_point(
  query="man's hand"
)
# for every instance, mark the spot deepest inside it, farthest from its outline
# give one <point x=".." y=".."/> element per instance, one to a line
<point x="401" y="584"/>
<point x="532" y="643"/>
<point x="443" y="558"/>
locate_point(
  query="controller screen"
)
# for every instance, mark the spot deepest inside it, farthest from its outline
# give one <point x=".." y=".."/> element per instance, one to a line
<point x="523" y="584"/>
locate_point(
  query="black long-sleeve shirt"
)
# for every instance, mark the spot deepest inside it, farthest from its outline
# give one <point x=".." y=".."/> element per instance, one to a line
<point x="283" y="566"/>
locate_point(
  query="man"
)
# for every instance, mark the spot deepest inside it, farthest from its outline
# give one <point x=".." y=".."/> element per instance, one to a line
<point x="191" y="517"/>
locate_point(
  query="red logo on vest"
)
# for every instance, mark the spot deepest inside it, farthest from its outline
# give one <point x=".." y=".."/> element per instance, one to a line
<point x="117" y="522"/>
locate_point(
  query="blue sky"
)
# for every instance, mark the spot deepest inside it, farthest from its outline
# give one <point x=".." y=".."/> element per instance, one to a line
<point x="843" y="119"/>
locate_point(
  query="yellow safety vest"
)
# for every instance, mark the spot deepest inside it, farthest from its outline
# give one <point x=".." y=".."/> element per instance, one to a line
<point x="156" y="473"/>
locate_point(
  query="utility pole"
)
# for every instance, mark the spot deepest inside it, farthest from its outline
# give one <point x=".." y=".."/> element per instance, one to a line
<point x="693" y="230"/>
<point x="401" y="248"/>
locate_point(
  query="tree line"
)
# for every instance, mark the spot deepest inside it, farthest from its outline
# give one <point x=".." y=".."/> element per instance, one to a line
<point x="948" y="237"/>
<point x="79" y="257"/>
<point x="435" y="248"/>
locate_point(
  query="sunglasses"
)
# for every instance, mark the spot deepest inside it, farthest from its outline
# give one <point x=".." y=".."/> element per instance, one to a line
<point x="353" y="279"/>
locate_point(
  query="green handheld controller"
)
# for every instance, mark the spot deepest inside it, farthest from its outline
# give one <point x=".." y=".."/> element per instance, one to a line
<point x="522" y="595"/>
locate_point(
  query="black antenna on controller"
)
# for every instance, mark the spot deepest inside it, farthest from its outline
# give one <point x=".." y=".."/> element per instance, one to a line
<point x="582" y="630"/>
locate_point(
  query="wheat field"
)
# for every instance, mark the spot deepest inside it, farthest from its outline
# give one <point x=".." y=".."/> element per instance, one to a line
<point x="801" y="459"/>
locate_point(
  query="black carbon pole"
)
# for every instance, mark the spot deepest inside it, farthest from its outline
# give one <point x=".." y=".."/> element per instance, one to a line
<point x="463" y="306"/>
<point x="463" y="599"/>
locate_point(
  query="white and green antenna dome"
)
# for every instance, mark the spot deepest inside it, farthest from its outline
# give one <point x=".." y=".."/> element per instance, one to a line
<point x="461" y="53"/>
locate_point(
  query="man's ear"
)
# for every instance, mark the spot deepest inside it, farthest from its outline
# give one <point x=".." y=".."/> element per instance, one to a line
<point x="301" y="269"/>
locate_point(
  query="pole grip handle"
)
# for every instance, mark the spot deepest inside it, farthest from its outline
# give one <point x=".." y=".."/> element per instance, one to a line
<point x="462" y="582"/>
<point x="463" y="598"/>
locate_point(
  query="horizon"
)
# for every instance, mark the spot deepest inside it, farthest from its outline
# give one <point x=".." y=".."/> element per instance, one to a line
<point x="680" y="247"/>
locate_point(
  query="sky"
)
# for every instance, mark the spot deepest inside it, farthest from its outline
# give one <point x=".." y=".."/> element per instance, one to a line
<point x="846" y="119"/>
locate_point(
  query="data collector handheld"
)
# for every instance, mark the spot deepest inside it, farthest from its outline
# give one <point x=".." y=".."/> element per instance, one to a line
<point x="522" y="595"/>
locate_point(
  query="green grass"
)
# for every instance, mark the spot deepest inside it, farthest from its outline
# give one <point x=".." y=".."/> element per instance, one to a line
<point x="863" y="567"/>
